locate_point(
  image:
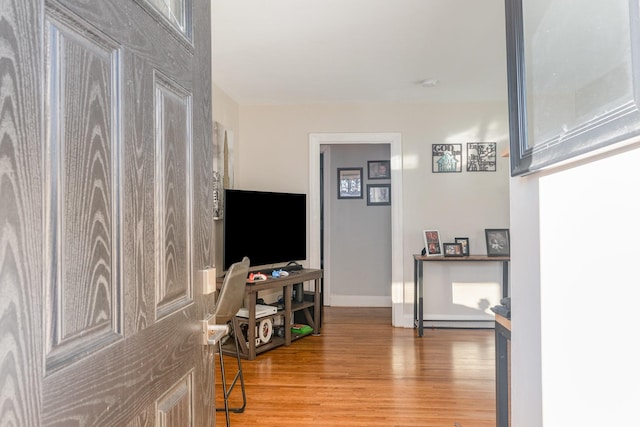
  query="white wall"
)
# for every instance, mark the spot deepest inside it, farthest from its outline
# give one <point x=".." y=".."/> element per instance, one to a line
<point x="576" y="294"/>
<point x="225" y="111"/>
<point x="272" y="152"/>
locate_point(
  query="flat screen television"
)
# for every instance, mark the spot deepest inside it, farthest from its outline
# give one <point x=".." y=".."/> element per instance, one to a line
<point x="268" y="227"/>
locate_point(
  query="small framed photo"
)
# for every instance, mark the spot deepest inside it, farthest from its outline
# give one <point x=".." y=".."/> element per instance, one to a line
<point x="432" y="242"/>
<point x="349" y="183"/>
<point x="378" y="169"/>
<point x="464" y="241"/>
<point x="498" y="243"/>
<point x="452" y="249"/>
<point x="378" y="194"/>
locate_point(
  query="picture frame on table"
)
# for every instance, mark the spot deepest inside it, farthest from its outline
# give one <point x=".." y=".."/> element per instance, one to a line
<point x="378" y="194"/>
<point x="498" y="241"/>
<point x="432" y="242"/>
<point x="379" y="169"/>
<point x="464" y="241"/>
<point x="452" y="249"/>
<point x="349" y="183"/>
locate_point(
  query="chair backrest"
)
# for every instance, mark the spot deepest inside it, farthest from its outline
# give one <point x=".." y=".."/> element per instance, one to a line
<point x="232" y="292"/>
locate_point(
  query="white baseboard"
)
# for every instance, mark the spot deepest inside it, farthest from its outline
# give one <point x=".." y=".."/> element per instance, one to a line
<point x="458" y="324"/>
<point x="451" y="321"/>
<point x="360" y="301"/>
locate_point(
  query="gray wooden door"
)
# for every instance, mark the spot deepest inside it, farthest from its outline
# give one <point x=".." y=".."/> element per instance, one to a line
<point x="105" y="155"/>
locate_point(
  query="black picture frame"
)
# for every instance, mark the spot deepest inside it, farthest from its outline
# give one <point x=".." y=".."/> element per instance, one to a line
<point x="481" y="157"/>
<point x="464" y="241"/>
<point x="452" y="249"/>
<point x="446" y="158"/>
<point x="587" y="132"/>
<point x="498" y="241"/>
<point x="379" y="169"/>
<point x="349" y="183"/>
<point x="378" y="194"/>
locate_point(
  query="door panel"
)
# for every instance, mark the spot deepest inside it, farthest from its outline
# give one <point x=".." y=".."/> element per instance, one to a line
<point x="105" y="160"/>
<point x="21" y="213"/>
<point x="173" y="166"/>
<point x="82" y="278"/>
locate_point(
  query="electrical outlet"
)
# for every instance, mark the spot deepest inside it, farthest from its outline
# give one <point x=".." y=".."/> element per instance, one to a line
<point x="208" y="280"/>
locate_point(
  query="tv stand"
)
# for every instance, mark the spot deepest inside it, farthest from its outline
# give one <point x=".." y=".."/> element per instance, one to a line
<point x="249" y="350"/>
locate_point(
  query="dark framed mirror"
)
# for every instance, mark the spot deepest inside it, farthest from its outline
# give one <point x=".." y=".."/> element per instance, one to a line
<point x="573" y="75"/>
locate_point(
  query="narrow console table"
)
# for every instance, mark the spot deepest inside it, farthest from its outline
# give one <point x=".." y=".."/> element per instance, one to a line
<point x="285" y="284"/>
<point x="418" y="279"/>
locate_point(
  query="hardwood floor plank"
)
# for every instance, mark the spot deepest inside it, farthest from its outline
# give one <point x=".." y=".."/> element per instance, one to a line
<point x="363" y="372"/>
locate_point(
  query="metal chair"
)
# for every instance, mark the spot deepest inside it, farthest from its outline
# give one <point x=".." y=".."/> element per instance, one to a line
<point x="228" y="303"/>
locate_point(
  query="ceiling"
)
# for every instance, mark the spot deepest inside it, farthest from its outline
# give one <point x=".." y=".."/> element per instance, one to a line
<point x="274" y="52"/>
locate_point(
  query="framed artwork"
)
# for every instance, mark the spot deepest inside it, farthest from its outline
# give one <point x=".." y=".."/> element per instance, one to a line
<point x="498" y="243"/>
<point x="349" y="183"/>
<point x="464" y="241"/>
<point x="378" y="194"/>
<point x="446" y="158"/>
<point x="452" y="249"/>
<point x="379" y="169"/>
<point x="563" y="102"/>
<point x="432" y="242"/>
<point x="481" y="156"/>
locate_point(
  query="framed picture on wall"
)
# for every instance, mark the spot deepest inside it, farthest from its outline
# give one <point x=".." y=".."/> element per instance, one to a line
<point x="432" y="242"/>
<point x="498" y="243"/>
<point x="481" y="157"/>
<point x="378" y="194"/>
<point x="349" y="183"/>
<point x="378" y="169"/>
<point x="446" y="158"/>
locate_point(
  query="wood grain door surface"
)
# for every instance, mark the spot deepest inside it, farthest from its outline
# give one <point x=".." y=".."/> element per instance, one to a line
<point x="105" y="154"/>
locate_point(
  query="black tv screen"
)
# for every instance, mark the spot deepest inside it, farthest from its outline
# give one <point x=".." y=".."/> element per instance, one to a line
<point x="267" y="227"/>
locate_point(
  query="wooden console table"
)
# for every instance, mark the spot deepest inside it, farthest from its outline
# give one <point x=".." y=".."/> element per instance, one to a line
<point x="286" y="284"/>
<point x="418" y="279"/>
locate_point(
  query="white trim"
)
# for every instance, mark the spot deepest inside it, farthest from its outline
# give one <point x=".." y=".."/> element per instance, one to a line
<point x="360" y="301"/>
<point x="394" y="139"/>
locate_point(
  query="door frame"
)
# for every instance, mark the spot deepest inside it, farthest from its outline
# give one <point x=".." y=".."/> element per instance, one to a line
<point x="394" y="139"/>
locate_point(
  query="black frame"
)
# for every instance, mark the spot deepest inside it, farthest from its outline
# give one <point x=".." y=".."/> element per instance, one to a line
<point x="436" y="153"/>
<point x="373" y="169"/>
<point x="482" y="156"/>
<point x="371" y="200"/>
<point x="621" y="123"/>
<point x="464" y="241"/>
<point x="498" y="241"/>
<point x="452" y="249"/>
<point x="343" y="176"/>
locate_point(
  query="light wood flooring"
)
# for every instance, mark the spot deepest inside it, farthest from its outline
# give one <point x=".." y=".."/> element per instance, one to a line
<point x="363" y="372"/>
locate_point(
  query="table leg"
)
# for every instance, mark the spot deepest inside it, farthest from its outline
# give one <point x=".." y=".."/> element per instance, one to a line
<point x="420" y="299"/>
<point x="505" y="279"/>
<point x="316" y="308"/>
<point x="415" y="293"/>
<point x="286" y="291"/>
<point x="251" y="327"/>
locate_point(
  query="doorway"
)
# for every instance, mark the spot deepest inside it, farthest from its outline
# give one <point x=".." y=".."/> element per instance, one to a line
<point x="316" y="140"/>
